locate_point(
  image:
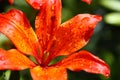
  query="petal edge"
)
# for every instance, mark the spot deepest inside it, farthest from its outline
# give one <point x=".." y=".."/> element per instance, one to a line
<point x="16" y="27"/>
<point x="73" y="34"/>
<point x="14" y="60"/>
<point x="48" y="73"/>
<point x="84" y="60"/>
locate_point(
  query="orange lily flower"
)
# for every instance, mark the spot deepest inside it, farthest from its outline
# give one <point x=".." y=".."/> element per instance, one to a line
<point x="52" y="39"/>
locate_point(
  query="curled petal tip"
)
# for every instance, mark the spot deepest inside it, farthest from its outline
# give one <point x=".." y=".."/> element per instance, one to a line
<point x="98" y="17"/>
<point x="107" y="73"/>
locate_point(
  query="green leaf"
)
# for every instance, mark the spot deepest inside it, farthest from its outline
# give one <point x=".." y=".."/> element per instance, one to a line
<point x="113" y="18"/>
<point x="5" y="42"/>
<point x="7" y="75"/>
<point x="111" y="4"/>
<point x="15" y="75"/>
<point x="55" y="60"/>
<point x="2" y="75"/>
<point x="25" y="75"/>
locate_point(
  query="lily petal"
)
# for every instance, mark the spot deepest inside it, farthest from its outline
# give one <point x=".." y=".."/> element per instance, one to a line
<point x="47" y="21"/>
<point x="36" y="4"/>
<point x="49" y="73"/>
<point x="14" y="60"/>
<point x="74" y="34"/>
<point x="87" y="1"/>
<point x="16" y="27"/>
<point x="84" y="60"/>
<point x="11" y="1"/>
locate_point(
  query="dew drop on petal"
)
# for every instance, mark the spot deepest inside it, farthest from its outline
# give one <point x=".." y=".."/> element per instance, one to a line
<point x="2" y="58"/>
<point x="52" y="8"/>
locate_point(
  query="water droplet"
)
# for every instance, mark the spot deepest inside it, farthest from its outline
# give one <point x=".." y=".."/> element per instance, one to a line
<point x="52" y="1"/>
<point x="18" y="62"/>
<point x="2" y="58"/>
<point x="52" y="8"/>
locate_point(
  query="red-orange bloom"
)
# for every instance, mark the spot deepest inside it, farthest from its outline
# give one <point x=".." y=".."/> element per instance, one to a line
<point x="52" y="39"/>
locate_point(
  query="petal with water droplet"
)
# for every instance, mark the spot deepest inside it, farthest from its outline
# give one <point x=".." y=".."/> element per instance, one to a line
<point x="36" y="4"/>
<point x="74" y="34"/>
<point x="48" y="73"/>
<point x="84" y="60"/>
<point x="16" y="27"/>
<point x="47" y="21"/>
<point x="14" y="60"/>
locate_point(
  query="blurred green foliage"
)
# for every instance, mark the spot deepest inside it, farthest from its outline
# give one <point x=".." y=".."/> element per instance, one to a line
<point x="113" y="16"/>
<point x="104" y="43"/>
